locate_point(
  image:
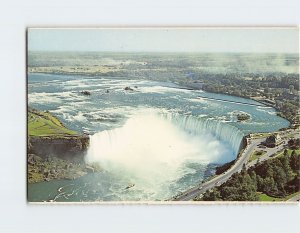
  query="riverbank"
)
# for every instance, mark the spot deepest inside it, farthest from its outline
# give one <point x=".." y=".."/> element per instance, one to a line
<point x="54" y="168"/>
<point x="279" y="111"/>
<point x="54" y="151"/>
<point x="228" y="171"/>
<point x="285" y="103"/>
<point x="276" y="179"/>
<point x="191" y="115"/>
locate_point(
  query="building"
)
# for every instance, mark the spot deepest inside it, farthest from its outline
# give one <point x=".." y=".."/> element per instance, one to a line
<point x="273" y="140"/>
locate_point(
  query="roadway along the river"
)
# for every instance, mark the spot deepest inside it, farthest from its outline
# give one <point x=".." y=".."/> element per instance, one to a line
<point x="243" y="159"/>
<point x="218" y="180"/>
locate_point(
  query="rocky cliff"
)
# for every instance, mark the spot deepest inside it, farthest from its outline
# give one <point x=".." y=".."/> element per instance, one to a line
<point x="66" y="147"/>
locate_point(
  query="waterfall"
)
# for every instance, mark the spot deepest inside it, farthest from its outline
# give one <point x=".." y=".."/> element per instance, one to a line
<point x="162" y="152"/>
<point x="200" y="125"/>
<point x="157" y="131"/>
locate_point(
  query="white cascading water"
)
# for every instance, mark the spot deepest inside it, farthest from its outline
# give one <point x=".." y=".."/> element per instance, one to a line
<point x="152" y="149"/>
<point x="199" y="125"/>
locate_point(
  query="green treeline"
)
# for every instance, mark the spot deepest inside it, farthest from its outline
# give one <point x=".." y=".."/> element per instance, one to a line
<point x="278" y="87"/>
<point x="278" y="177"/>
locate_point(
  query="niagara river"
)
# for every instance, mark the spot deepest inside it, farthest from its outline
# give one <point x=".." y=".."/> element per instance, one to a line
<point x="157" y="136"/>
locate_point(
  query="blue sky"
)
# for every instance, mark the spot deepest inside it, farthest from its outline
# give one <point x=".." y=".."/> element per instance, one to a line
<point x="264" y="40"/>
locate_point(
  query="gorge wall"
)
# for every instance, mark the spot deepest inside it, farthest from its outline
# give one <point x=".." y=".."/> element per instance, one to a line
<point x="62" y="147"/>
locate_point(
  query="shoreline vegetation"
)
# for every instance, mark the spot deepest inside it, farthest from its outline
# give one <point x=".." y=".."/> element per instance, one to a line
<point x="44" y="129"/>
<point x="274" y="86"/>
<point x="54" y="151"/>
<point x="276" y="179"/>
<point x="287" y="109"/>
<point x="272" y="97"/>
<point x="281" y="171"/>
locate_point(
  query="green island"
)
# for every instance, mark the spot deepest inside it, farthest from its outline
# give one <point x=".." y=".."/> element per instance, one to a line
<point x="54" y="151"/>
<point x="263" y="82"/>
<point x="243" y="117"/>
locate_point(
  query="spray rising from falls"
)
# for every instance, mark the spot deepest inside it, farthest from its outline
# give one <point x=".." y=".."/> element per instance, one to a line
<point x="163" y="152"/>
<point x="161" y="130"/>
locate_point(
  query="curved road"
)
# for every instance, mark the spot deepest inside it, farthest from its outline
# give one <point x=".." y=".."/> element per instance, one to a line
<point x="218" y="180"/>
<point x="243" y="159"/>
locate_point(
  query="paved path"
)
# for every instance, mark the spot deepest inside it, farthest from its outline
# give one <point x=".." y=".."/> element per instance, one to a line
<point x="294" y="198"/>
<point x="272" y="151"/>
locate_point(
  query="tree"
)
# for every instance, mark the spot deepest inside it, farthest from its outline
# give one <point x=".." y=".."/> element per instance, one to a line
<point x="280" y="179"/>
<point x="269" y="186"/>
<point x="286" y="167"/>
<point x="254" y="178"/>
<point x="295" y="161"/>
<point x="244" y="169"/>
<point x="294" y="185"/>
<point x="294" y="143"/>
<point x="213" y="195"/>
<point x="260" y="183"/>
<point x="274" y="177"/>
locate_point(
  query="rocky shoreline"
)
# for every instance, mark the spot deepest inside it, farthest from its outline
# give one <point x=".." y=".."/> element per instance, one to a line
<point x="58" y="158"/>
<point x="52" y="168"/>
<point x="56" y="155"/>
<point x="65" y="147"/>
<point x="52" y="158"/>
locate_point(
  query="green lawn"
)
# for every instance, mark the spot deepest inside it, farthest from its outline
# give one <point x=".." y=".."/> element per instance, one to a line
<point x="256" y="155"/>
<point x="44" y="124"/>
<point x="265" y="197"/>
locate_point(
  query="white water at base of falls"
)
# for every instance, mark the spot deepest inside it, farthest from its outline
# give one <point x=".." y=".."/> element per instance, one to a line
<point x="155" y="149"/>
<point x="161" y="151"/>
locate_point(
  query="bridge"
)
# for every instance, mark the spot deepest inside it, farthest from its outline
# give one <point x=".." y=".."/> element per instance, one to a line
<point x="231" y="101"/>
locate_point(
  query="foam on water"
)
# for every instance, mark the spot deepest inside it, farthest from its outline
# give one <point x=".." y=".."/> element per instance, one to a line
<point x="153" y="149"/>
<point x="162" y="139"/>
<point x="43" y="97"/>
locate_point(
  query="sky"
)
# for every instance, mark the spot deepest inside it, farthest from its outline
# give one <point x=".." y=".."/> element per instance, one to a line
<point x="255" y="40"/>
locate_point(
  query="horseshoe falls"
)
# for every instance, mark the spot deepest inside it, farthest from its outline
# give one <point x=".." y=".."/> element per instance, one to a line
<point x="199" y="125"/>
<point x="151" y="142"/>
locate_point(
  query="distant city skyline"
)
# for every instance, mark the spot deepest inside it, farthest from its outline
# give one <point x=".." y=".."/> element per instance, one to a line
<point x="248" y="40"/>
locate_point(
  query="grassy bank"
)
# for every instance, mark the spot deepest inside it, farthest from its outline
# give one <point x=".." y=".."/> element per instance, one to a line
<point x="265" y="197"/>
<point x="54" y="151"/>
<point x="41" y="124"/>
